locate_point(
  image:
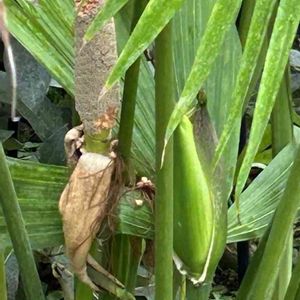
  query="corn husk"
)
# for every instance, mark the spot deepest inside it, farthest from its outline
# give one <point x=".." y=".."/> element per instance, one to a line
<point x="83" y="206"/>
<point x="194" y="214"/>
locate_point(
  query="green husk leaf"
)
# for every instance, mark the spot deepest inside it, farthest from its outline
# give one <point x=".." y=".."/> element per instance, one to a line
<point x="193" y="205"/>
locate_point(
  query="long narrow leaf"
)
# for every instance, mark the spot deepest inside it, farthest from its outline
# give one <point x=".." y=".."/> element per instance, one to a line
<point x="45" y="30"/>
<point x="156" y="15"/>
<point x="220" y="82"/>
<point x="222" y="17"/>
<point x="282" y="37"/>
<point x="3" y="290"/>
<point x="18" y="233"/>
<point x="258" y="28"/>
<point x="294" y="284"/>
<point x="109" y="9"/>
<point x="263" y="283"/>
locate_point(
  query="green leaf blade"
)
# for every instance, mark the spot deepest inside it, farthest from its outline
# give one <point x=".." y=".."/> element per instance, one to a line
<point x="254" y="43"/>
<point x="156" y="15"/>
<point x="221" y="19"/>
<point x="281" y="41"/>
<point x="110" y="8"/>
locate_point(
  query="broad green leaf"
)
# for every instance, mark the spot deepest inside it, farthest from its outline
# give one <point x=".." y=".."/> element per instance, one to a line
<point x="259" y="201"/>
<point x="294" y="285"/>
<point x="39" y="190"/>
<point x="109" y="9"/>
<point x="45" y="30"/>
<point x="156" y="15"/>
<point x="134" y="219"/>
<point x="285" y="26"/>
<point x="219" y="84"/>
<point x="5" y="135"/>
<point x="221" y="18"/>
<point x="255" y="38"/>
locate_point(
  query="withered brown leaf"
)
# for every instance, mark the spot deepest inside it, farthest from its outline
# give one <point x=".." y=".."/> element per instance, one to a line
<point x="83" y="207"/>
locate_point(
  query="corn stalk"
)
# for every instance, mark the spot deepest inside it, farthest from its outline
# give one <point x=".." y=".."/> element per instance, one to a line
<point x="85" y="199"/>
<point x="18" y="234"/>
<point x="164" y="102"/>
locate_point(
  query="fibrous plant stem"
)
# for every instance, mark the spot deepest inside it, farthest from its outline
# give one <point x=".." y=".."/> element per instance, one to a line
<point x="164" y="103"/>
<point x="18" y="234"/>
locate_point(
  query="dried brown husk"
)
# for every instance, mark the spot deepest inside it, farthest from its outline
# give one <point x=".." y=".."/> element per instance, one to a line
<point x="83" y="206"/>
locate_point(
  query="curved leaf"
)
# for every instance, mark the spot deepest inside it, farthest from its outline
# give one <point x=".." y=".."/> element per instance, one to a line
<point x="222" y="17"/>
<point x="109" y="9"/>
<point x="45" y="30"/>
<point x="156" y="15"/>
<point x="285" y="27"/>
<point x="255" y="38"/>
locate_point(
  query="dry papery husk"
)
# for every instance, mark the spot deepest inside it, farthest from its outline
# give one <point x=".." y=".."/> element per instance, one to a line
<point x="83" y="206"/>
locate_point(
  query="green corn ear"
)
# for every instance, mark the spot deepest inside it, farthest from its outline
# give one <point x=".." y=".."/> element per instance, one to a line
<point x="194" y="232"/>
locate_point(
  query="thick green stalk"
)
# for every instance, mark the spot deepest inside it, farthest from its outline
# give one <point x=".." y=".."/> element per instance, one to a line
<point x="164" y="103"/>
<point x="198" y="293"/>
<point x="261" y="287"/>
<point x="294" y="284"/>
<point x="127" y="251"/>
<point x="82" y="291"/>
<point x="18" y="234"/>
<point x="254" y="264"/>
<point x="129" y="96"/>
<point x="3" y="292"/>
<point x="282" y="134"/>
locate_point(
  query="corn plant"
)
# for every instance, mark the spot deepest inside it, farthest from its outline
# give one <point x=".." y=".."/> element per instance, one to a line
<point x="171" y="80"/>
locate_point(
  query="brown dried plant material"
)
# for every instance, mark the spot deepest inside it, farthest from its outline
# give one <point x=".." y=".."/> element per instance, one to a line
<point x="83" y="207"/>
<point x="73" y="141"/>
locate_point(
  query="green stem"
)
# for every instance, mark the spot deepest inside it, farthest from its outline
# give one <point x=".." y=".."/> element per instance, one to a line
<point x="129" y="95"/>
<point x="279" y="235"/>
<point x="198" y="292"/>
<point x="252" y="269"/>
<point x="127" y="251"/>
<point x="3" y="292"/>
<point x="164" y="101"/>
<point x="282" y="134"/>
<point x="82" y="291"/>
<point x="18" y="234"/>
<point x="294" y="284"/>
